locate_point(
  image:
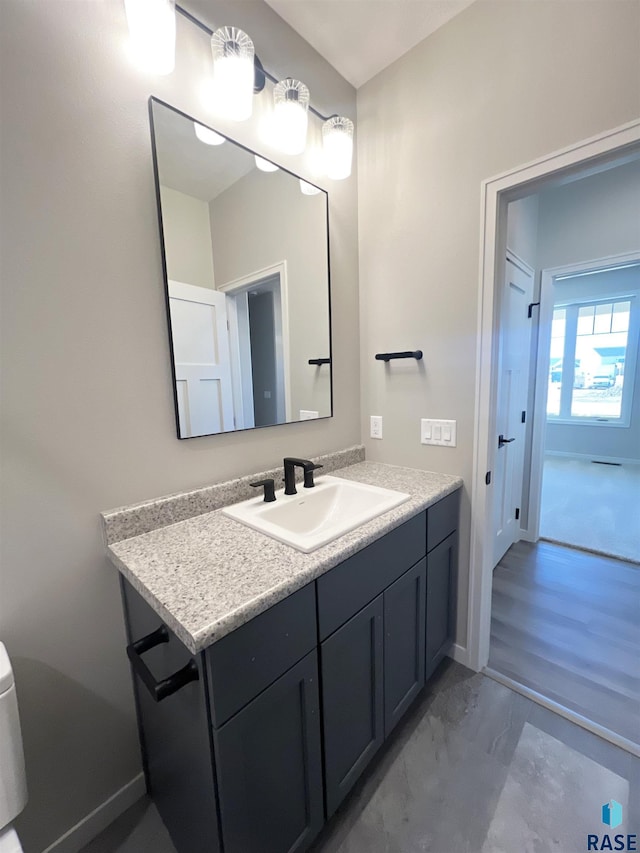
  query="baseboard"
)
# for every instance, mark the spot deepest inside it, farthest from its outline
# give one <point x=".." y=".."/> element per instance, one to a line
<point x="460" y="654"/>
<point x="97" y="820"/>
<point x="589" y="457"/>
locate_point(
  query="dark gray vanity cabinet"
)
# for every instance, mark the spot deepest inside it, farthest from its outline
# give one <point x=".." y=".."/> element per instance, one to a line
<point x="442" y="579"/>
<point x="442" y="564"/>
<point x="404" y="644"/>
<point x="371" y="622"/>
<point x="352" y="700"/>
<point x="256" y="740"/>
<point x="175" y="736"/>
<point x="269" y="767"/>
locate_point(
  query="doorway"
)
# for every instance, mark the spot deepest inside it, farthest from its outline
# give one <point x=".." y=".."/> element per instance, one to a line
<point x="565" y="168"/>
<point x="257" y="307"/>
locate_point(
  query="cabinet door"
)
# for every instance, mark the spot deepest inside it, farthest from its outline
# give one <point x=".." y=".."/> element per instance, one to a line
<point x="442" y="564"/>
<point x="404" y="643"/>
<point x="269" y="767"/>
<point x="352" y="700"/>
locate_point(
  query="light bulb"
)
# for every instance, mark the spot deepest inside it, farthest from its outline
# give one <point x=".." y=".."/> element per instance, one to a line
<point x="152" y="34"/>
<point x="307" y="188"/>
<point x="337" y="144"/>
<point x="265" y="165"/>
<point x="290" y="117"/>
<point x="206" y="135"/>
<point x="233" y="73"/>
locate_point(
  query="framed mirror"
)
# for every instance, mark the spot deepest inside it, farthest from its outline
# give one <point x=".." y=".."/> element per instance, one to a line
<point x="246" y="267"/>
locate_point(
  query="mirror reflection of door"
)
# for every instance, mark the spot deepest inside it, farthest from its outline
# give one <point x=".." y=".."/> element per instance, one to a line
<point x="259" y="343"/>
<point x="201" y="358"/>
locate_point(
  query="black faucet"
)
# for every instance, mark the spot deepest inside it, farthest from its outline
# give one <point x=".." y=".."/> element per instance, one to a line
<point x="290" y="463"/>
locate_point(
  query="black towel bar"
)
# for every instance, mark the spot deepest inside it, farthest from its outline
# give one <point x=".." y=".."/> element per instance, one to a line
<point x="387" y="356"/>
<point x="319" y="361"/>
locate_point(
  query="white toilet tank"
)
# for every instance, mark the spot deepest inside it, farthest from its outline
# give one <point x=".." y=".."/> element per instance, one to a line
<point x="13" y="780"/>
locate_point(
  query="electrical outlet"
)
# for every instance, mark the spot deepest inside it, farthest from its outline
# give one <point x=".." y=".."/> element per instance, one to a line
<point x="442" y="433"/>
<point x="376" y="426"/>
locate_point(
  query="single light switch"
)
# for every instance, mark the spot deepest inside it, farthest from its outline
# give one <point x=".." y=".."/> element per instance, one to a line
<point x="446" y="431"/>
<point x="437" y="432"/>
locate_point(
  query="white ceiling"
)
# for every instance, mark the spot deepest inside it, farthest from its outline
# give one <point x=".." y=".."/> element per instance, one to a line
<point x="361" y="37"/>
<point x="190" y="166"/>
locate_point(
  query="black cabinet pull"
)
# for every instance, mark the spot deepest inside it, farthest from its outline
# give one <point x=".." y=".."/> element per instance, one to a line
<point x="159" y="690"/>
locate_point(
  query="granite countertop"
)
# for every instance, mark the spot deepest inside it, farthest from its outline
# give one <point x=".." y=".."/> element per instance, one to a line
<point x="208" y="574"/>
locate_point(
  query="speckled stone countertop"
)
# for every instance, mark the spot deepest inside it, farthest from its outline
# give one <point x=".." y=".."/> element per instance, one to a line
<point x="208" y="574"/>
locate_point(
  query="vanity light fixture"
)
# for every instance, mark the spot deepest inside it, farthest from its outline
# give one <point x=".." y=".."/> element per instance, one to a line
<point x="337" y="144"/>
<point x="265" y="165"/>
<point x="307" y="188"/>
<point x="152" y="34"/>
<point x="238" y="74"/>
<point x="208" y="136"/>
<point x="290" y="115"/>
<point x="233" y="73"/>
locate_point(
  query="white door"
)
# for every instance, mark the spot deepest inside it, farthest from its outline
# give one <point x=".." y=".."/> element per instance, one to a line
<point x="513" y="387"/>
<point x="201" y="357"/>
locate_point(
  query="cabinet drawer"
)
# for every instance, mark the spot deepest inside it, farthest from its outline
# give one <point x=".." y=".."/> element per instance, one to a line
<point x="249" y="659"/>
<point x="345" y="590"/>
<point x="442" y="519"/>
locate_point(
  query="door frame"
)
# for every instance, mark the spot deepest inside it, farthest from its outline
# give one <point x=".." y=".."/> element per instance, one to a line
<point x="283" y="359"/>
<point x="587" y="156"/>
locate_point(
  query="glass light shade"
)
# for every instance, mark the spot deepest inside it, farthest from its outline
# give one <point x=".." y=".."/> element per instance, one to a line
<point x="152" y="34"/>
<point x="265" y="165"/>
<point x="233" y="73"/>
<point x="337" y="143"/>
<point x="209" y="137"/>
<point x="290" y="115"/>
<point x="308" y="189"/>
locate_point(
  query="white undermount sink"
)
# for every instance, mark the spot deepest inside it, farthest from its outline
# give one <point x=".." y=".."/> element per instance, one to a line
<point x="316" y="516"/>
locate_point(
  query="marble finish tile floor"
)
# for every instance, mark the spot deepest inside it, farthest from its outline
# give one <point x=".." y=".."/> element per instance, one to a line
<point x="474" y="768"/>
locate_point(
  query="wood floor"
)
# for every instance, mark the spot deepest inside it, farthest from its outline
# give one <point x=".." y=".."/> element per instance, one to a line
<point x="566" y="623"/>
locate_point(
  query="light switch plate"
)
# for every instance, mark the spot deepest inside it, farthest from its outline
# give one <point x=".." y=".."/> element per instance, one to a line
<point x="441" y="433"/>
<point x="376" y="426"/>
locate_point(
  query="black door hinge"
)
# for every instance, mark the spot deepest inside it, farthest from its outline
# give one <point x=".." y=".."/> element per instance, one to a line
<point x="530" y="309"/>
<point x="517" y="513"/>
<point x="523" y="418"/>
<point x="487" y="478"/>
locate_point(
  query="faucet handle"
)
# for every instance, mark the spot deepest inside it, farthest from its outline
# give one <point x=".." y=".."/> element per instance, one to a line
<point x="308" y="476"/>
<point x="269" y="489"/>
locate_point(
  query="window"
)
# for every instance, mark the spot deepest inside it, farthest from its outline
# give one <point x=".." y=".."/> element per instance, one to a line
<point x="592" y="342"/>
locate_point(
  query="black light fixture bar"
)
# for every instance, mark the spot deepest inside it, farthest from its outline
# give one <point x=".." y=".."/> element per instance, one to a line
<point x="261" y="73"/>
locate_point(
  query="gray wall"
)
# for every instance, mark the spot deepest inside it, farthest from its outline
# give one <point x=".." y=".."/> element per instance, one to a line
<point x="187" y="238"/>
<point x="87" y="404"/>
<point x="279" y="223"/>
<point x="498" y="86"/>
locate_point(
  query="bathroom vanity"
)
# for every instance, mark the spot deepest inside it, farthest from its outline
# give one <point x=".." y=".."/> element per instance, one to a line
<point x="280" y="674"/>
